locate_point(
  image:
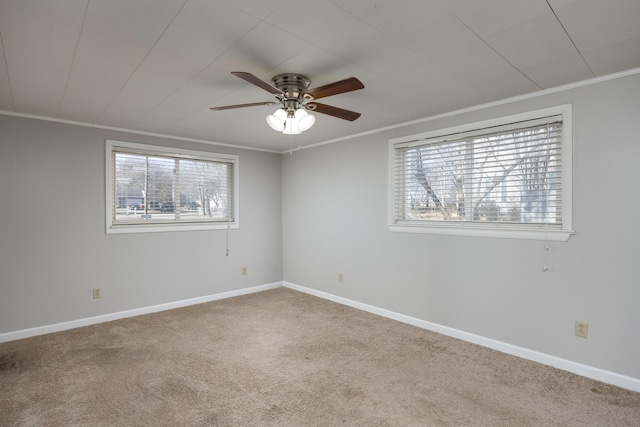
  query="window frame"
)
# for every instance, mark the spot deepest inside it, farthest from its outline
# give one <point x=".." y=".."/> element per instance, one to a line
<point x="498" y="230"/>
<point x="156" y="150"/>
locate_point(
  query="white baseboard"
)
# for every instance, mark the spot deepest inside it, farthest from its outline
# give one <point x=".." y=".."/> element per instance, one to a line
<point x="608" y="377"/>
<point x="57" y="327"/>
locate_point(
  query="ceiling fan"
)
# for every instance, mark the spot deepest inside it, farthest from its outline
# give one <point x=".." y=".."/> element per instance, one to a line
<point x="295" y="99"/>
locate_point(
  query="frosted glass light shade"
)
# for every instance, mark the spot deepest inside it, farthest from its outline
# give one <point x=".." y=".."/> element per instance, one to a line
<point x="291" y="127"/>
<point x="304" y="120"/>
<point x="277" y="120"/>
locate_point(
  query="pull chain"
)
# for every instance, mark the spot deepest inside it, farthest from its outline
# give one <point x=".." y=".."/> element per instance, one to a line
<point x="228" y="227"/>
<point x="545" y="267"/>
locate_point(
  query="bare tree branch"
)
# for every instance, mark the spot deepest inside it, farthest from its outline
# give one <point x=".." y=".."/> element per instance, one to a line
<point x="495" y="183"/>
<point x="421" y="177"/>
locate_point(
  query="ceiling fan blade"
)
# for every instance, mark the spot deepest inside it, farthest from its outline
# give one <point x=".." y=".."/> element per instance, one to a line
<point x="333" y="111"/>
<point x="229" y="107"/>
<point x="256" y="81"/>
<point x="342" y="86"/>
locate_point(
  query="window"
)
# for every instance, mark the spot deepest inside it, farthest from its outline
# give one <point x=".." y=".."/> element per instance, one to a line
<point x="509" y="177"/>
<point x="152" y="188"/>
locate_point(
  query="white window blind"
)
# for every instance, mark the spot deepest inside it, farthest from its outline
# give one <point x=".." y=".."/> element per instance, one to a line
<point x="158" y="187"/>
<point x="507" y="176"/>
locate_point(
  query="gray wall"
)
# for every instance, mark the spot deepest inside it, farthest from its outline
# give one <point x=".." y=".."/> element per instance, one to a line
<point x="323" y="210"/>
<point x="53" y="246"/>
<point x="335" y="220"/>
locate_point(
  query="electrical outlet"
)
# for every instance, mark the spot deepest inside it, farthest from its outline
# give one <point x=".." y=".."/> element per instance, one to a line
<point x="97" y="293"/>
<point x="582" y="329"/>
<point x="244" y="271"/>
<point x="340" y="278"/>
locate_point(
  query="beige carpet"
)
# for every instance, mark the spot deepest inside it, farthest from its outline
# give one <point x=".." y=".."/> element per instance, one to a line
<point x="283" y="358"/>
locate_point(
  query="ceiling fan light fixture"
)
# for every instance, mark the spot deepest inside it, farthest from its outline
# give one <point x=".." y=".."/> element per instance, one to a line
<point x="277" y="120"/>
<point x="291" y="122"/>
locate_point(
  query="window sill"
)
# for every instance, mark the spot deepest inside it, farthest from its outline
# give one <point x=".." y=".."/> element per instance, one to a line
<point x="481" y="230"/>
<point x="160" y="228"/>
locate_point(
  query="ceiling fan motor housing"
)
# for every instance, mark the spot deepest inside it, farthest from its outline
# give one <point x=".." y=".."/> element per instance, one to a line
<point x="294" y="87"/>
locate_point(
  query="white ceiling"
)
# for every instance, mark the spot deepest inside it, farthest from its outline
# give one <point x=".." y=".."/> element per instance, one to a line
<point x="158" y="65"/>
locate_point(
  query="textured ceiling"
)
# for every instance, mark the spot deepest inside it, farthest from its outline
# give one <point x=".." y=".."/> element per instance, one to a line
<point x="158" y="65"/>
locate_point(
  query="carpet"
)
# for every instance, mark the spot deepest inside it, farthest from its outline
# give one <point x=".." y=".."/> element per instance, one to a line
<point x="284" y="358"/>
